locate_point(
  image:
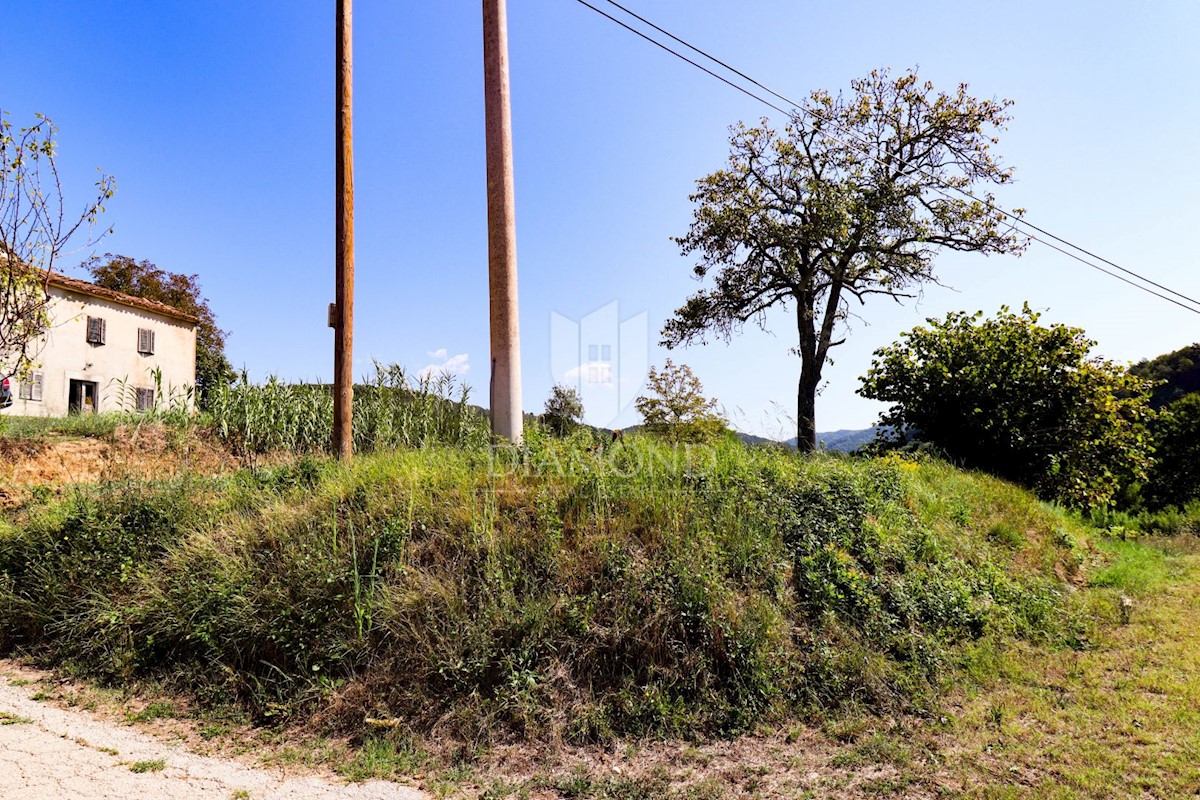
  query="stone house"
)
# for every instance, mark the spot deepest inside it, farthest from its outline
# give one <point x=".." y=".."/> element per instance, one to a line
<point x="101" y="352"/>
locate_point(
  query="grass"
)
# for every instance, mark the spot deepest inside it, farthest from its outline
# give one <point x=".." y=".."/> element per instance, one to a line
<point x="943" y="631"/>
<point x="155" y="710"/>
<point x="8" y="718"/>
<point x="82" y="425"/>
<point x="543" y="593"/>
<point x="1118" y="718"/>
<point x="155" y="765"/>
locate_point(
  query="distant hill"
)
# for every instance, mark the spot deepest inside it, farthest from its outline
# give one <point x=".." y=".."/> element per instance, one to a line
<point x="845" y="441"/>
<point x="1180" y="370"/>
<point x="751" y="439"/>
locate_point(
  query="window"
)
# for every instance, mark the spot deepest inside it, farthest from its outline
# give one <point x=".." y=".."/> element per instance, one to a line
<point x="31" y="389"/>
<point x="96" y="330"/>
<point x="145" y="341"/>
<point x="599" y="373"/>
<point x="593" y="352"/>
<point x="606" y="352"/>
<point x="145" y="399"/>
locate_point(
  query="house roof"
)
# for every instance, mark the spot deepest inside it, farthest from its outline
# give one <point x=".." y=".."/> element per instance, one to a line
<point x="91" y="289"/>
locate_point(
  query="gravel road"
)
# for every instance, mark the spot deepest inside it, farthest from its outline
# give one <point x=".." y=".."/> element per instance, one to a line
<point x="54" y="754"/>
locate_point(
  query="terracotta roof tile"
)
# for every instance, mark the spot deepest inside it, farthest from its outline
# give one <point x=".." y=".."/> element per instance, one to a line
<point x="83" y="287"/>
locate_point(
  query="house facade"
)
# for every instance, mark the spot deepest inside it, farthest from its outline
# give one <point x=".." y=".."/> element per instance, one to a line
<point x="101" y="352"/>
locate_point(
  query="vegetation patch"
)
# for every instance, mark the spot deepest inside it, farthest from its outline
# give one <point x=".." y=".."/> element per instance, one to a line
<point x="550" y="592"/>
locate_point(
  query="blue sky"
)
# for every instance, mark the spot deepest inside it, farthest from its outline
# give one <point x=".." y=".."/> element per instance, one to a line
<point x="216" y="119"/>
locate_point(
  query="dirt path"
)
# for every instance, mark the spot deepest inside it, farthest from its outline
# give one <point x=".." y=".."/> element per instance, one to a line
<point x="55" y="754"/>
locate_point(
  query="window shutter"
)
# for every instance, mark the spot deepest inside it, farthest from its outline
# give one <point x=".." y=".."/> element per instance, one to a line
<point x="31" y="389"/>
<point x="146" y="341"/>
<point x="145" y="399"/>
<point x="96" y="329"/>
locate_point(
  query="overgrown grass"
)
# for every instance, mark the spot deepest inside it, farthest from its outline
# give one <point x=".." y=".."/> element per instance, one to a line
<point x="1170" y="521"/>
<point x="81" y="425"/>
<point x="1119" y="718"/>
<point x="543" y="592"/>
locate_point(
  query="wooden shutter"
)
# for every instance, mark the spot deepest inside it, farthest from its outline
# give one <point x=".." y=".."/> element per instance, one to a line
<point x="96" y="330"/>
<point x="146" y="341"/>
<point x="31" y="389"/>
<point x="145" y="399"/>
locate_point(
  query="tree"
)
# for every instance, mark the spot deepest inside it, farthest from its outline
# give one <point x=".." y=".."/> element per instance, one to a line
<point x="855" y="203"/>
<point x="1177" y="374"/>
<point x="183" y="292"/>
<point x="676" y="406"/>
<point x="564" y="410"/>
<point x="1019" y="400"/>
<point x="1175" y="478"/>
<point x="35" y="229"/>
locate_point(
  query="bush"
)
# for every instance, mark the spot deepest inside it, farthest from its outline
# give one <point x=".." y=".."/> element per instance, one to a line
<point x="1018" y="400"/>
<point x="1175" y="477"/>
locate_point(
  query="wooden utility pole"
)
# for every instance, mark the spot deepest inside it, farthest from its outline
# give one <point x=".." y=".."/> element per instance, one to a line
<point x="343" y="346"/>
<point x="505" y="402"/>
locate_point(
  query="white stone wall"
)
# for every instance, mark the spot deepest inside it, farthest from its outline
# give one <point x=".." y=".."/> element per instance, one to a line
<point x="66" y="354"/>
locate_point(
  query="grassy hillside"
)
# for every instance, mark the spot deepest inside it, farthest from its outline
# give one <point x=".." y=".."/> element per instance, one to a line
<point x="544" y="593"/>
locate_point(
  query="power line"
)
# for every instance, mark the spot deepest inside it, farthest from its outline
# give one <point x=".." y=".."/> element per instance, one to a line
<point x="679" y="55"/>
<point x="1016" y="220"/>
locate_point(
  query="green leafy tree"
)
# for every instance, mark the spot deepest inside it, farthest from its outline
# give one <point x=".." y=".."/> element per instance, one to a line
<point x="564" y="410"/>
<point x="675" y="406"/>
<point x="1175" y="478"/>
<point x="1177" y="374"/>
<point x="35" y="229"/>
<point x="834" y="210"/>
<point x="1019" y="400"/>
<point x="183" y="292"/>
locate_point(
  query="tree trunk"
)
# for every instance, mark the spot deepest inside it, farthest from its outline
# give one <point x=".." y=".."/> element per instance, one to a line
<point x="810" y="374"/>
<point x="806" y="408"/>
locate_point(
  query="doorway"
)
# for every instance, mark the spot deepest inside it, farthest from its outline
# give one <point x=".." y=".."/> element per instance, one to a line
<point x="83" y="397"/>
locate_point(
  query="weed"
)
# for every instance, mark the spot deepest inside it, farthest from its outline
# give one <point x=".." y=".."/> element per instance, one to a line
<point x="156" y="765"/>
<point x="1006" y="534"/>
<point x="382" y="757"/>
<point x="8" y="718"/>
<point x="153" y="711"/>
<point x="213" y="731"/>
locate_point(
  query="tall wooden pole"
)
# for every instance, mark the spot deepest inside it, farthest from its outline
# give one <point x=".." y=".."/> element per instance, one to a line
<point x="502" y="229"/>
<point x="343" y="347"/>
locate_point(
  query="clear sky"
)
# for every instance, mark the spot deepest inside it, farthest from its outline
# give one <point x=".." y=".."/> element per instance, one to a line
<point x="216" y="119"/>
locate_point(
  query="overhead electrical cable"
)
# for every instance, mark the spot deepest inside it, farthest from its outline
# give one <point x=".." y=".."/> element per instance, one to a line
<point x="679" y="55"/>
<point x="864" y="148"/>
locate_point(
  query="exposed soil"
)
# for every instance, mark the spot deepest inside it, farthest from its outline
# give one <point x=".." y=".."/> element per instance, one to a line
<point x="145" y="451"/>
